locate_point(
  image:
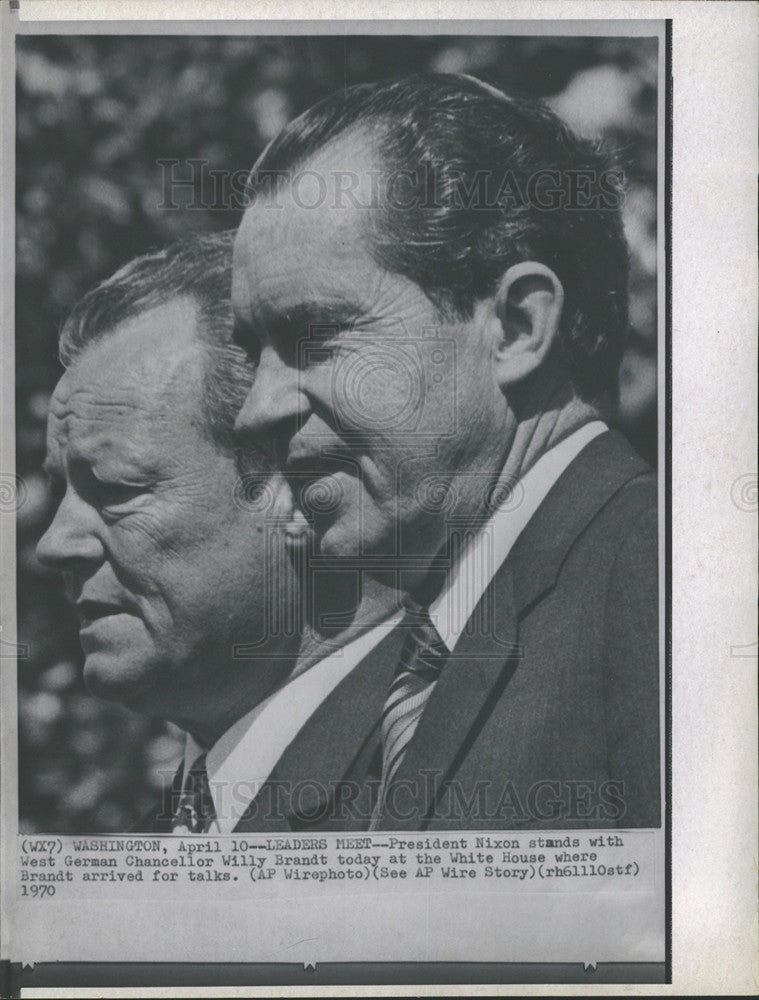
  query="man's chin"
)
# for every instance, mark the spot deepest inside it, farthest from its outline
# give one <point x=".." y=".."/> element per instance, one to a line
<point x="380" y="546"/>
<point x="339" y="541"/>
<point x="343" y="540"/>
<point x="112" y="678"/>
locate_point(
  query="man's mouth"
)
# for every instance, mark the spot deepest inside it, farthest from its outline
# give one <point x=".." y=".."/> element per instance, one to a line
<point x="316" y="494"/>
<point x="290" y="515"/>
<point x="90" y="611"/>
<point x="297" y="527"/>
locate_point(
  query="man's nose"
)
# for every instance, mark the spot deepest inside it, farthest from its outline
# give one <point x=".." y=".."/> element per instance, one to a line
<point x="275" y="401"/>
<point x="72" y="541"/>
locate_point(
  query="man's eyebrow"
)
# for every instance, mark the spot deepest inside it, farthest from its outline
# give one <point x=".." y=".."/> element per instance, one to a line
<point x="100" y="459"/>
<point x="301" y="317"/>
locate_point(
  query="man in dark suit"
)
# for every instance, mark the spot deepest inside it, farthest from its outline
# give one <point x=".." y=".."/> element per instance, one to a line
<point x="431" y="279"/>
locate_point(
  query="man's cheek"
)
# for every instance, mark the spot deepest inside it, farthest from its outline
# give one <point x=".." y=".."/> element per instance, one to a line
<point x="141" y="543"/>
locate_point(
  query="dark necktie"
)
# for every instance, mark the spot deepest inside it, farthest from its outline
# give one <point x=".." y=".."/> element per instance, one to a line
<point x="423" y="656"/>
<point x="195" y="811"/>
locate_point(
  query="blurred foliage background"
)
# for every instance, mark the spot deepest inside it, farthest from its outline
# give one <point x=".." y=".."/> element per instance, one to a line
<point x="95" y="115"/>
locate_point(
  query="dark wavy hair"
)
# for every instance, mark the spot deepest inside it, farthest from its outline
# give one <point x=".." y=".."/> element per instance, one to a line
<point x="198" y="267"/>
<point x="488" y="181"/>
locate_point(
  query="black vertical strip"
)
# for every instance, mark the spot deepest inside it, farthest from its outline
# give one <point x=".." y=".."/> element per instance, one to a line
<point x="668" y="114"/>
<point x="10" y="980"/>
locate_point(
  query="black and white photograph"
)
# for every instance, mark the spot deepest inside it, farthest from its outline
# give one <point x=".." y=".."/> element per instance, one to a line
<point x="343" y="457"/>
<point x="342" y="495"/>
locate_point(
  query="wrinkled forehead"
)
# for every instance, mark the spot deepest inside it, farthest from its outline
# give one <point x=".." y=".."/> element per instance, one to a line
<point x="131" y="381"/>
<point x="86" y="402"/>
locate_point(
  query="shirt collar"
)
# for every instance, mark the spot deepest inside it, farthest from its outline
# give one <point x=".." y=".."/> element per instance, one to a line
<point x="472" y="572"/>
<point x="242" y="760"/>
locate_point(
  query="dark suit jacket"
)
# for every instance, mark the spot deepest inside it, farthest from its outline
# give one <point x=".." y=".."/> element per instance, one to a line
<point x="546" y="715"/>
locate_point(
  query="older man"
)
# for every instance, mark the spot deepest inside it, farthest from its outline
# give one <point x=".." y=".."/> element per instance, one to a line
<point x="166" y="532"/>
<point x="432" y="281"/>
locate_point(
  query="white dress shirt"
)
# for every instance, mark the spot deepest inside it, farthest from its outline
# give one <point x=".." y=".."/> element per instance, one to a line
<point x="240" y="763"/>
<point x="244" y="758"/>
<point x="472" y="573"/>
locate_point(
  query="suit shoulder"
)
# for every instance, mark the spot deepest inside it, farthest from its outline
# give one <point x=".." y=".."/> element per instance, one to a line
<point x="631" y="512"/>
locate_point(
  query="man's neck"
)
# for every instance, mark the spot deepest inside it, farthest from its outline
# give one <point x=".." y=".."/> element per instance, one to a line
<point x="542" y="429"/>
<point x="237" y="687"/>
<point x="378" y="600"/>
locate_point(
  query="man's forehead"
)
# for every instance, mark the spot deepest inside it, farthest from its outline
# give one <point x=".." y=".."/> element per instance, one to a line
<point x="297" y="260"/>
<point x="351" y="162"/>
<point x="352" y="155"/>
<point x="145" y="367"/>
<point x="146" y="349"/>
<point x="334" y="188"/>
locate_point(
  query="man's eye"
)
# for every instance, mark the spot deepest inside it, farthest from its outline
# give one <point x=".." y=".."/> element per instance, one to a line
<point x="324" y="333"/>
<point x="116" y="494"/>
<point x="312" y="355"/>
<point x="320" y="347"/>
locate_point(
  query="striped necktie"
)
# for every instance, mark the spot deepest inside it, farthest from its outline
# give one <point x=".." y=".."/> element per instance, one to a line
<point x="195" y="811"/>
<point x="423" y="656"/>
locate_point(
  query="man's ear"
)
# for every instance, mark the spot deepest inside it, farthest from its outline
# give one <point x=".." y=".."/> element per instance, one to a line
<point x="528" y="305"/>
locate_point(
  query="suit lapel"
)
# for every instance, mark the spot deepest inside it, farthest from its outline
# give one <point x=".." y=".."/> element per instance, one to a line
<point x="488" y="652"/>
<point x="303" y="782"/>
<point x="469" y="685"/>
<point x="601" y="469"/>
